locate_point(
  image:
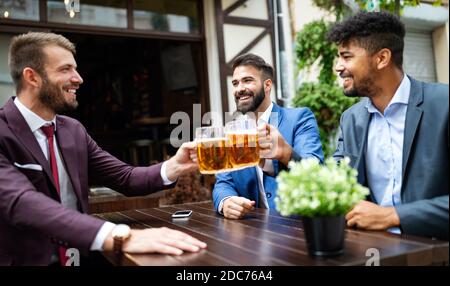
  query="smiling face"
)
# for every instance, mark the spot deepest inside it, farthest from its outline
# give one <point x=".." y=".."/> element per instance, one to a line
<point x="248" y="89"/>
<point x="60" y="81"/>
<point x="357" y="68"/>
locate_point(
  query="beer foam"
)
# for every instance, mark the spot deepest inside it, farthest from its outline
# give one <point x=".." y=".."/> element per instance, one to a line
<point x="207" y="140"/>
<point x="242" y="132"/>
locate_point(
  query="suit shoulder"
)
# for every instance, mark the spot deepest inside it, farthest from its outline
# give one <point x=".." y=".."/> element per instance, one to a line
<point x="2" y="116"/>
<point x="297" y="111"/>
<point x="437" y="91"/>
<point x="71" y="122"/>
<point x="355" y="108"/>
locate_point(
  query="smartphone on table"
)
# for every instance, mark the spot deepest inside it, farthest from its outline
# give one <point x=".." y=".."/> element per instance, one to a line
<point x="182" y="214"/>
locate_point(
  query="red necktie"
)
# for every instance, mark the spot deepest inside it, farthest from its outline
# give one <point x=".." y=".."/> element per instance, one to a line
<point x="49" y="131"/>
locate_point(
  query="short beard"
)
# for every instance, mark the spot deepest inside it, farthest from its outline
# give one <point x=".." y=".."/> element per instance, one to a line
<point x="365" y="88"/>
<point x="52" y="97"/>
<point x="257" y="100"/>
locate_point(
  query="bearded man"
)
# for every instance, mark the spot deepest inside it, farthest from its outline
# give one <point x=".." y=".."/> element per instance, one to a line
<point x="397" y="135"/>
<point x="47" y="161"/>
<point x="284" y="134"/>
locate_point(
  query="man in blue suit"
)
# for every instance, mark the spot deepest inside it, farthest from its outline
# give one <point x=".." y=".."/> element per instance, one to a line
<point x="397" y="137"/>
<point x="283" y="135"/>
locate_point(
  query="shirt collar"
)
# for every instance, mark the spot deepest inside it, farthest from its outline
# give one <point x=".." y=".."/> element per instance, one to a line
<point x="264" y="118"/>
<point x="401" y="95"/>
<point x="33" y="120"/>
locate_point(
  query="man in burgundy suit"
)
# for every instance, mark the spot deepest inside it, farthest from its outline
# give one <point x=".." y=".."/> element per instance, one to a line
<point x="48" y="160"/>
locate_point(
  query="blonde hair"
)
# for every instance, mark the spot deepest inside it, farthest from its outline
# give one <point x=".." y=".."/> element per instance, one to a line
<point x="26" y="50"/>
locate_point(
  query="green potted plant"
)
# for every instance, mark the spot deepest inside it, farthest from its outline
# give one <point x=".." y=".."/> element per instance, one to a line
<point x="321" y="195"/>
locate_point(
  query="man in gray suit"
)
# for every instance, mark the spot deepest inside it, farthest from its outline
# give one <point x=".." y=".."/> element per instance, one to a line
<point x="47" y="162"/>
<point x="397" y="137"/>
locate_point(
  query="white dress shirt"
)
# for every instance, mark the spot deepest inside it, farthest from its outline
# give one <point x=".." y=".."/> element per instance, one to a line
<point x="385" y="148"/>
<point x="268" y="165"/>
<point x="67" y="194"/>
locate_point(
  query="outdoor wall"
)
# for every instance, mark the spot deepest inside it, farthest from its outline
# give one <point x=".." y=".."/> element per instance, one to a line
<point x="242" y="28"/>
<point x="440" y="44"/>
<point x="305" y="12"/>
<point x="6" y="85"/>
<point x="236" y="37"/>
<point x="426" y="42"/>
<point x="212" y="55"/>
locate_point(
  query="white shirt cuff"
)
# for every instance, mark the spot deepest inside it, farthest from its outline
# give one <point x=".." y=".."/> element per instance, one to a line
<point x="221" y="205"/>
<point x="268" y="167"/>
<point x="101" y="236"/>
<point x="166" y="180"/>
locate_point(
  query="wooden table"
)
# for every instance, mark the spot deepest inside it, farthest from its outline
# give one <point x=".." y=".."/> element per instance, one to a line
<point x="265" y="238"/>
<point x="102" y="200"/>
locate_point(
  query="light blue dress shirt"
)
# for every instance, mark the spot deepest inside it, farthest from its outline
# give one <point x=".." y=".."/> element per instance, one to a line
<point x="385" y="148"/>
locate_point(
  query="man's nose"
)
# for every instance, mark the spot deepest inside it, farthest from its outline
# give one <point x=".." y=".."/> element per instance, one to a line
<point x="339" y="67"/>
<point x="241" y="87"/>
<point x="77" y="78"/>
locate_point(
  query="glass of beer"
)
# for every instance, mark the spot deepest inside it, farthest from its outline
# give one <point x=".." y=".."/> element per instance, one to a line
<point x="243" y="143"/>
<point x="212" y="150"/>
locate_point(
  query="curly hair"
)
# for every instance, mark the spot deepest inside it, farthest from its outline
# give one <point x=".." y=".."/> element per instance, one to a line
<point x="372" y="31"/>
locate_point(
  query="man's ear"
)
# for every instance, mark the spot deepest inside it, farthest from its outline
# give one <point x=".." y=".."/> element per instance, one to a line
<point x="383" y="58"/>
<point x="267" y="85"/>
<point x="31" y="77"/>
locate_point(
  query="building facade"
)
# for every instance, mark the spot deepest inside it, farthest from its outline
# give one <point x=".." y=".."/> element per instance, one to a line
<point x="426" y="40"/>
<point x="142" y="61"/>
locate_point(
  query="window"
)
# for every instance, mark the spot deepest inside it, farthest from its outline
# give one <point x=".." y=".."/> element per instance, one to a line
<point x="167" y="15"/>
<point x="20" y="9"/>
<point x="94" y="13"/>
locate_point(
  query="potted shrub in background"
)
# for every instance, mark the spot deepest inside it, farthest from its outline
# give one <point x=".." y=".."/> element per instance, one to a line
<point x="321" y="195"/>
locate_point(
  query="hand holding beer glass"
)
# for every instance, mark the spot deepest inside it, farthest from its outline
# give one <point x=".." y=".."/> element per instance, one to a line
<point x="227" y="149"/>
<point x="212" y="154"/>
<point x="243" y="143"/>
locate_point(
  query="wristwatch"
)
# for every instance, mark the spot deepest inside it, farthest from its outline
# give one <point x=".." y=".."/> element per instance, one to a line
<point x="120" y="233"/>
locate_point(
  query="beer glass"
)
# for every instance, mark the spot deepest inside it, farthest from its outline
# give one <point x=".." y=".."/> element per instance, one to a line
<point x="212" y="150"/>
<point x="243" y="143"/>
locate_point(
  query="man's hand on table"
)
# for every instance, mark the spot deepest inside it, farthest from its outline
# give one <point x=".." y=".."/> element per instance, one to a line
<point x="367" y="215"/>
<point x="157" y="240"/>
<point x="236" y="207"/>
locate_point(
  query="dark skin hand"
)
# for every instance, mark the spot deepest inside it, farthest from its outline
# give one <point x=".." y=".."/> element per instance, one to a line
<point x="370" y="216"/>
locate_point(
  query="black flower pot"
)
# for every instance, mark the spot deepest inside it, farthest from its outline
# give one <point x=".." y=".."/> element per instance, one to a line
<point x="324" y="235"/>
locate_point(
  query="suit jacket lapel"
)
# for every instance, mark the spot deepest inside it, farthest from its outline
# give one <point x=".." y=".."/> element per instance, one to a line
<point x="20" y="128"/>
<point x="362" y="120"/>
<point x="412" y="120"/>
<point x="275" y="119"/>
<point x="276" y="116"/>
<point x="68" y="149"/>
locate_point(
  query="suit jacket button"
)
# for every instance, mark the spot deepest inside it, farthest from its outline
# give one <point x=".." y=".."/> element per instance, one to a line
<point x="268" y="195"/>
